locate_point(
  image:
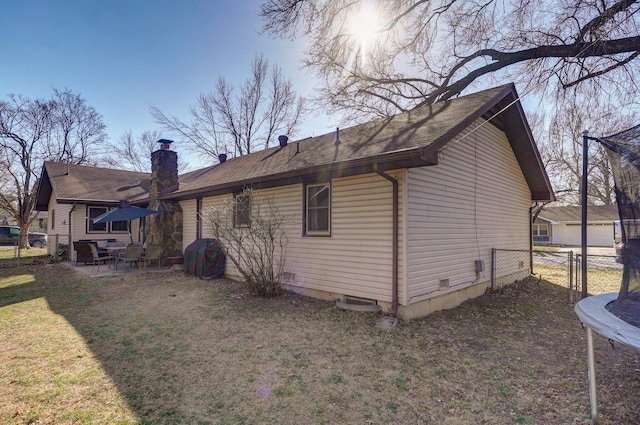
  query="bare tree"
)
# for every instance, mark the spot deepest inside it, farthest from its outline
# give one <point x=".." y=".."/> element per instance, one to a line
<point x="134" y="153"/>
<point x="561" y="149"/>
<point x="222" y="122"/>
<point x="376" y="61"/>
<point x="61" y="128"/>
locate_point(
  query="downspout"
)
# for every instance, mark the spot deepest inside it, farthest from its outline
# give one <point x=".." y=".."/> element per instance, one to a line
<point x="70" y="248"/>
<point x="531" y="236"/>
<point x="394" y="265"/>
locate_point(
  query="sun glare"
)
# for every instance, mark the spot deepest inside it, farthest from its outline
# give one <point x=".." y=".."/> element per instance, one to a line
<point x="365" y="27"/>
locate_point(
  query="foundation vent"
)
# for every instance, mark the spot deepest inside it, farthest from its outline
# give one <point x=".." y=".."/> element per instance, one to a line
<point x="358" y="304"/>
<point x="444" y="284"/>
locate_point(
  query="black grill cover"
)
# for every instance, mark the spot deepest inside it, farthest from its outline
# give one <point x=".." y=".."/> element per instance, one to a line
<point x="204" y="258"/>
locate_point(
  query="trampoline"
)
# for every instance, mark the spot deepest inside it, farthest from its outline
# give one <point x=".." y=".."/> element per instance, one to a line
<point x="617" y="315"/>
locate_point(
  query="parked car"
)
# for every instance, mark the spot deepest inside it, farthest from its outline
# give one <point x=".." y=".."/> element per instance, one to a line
<point x="9" y="237"/>
<point x="631" y="249"/>
<point x="619" y="248"/>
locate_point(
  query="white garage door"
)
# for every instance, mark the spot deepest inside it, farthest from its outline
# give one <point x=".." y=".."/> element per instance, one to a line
<point x="597" y="235"/>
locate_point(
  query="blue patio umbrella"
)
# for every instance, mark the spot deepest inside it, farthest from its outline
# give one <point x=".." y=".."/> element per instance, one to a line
<point x="124" y="212"/>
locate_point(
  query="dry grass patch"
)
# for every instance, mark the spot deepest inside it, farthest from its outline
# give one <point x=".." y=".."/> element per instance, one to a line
<point x="169" y="349"/>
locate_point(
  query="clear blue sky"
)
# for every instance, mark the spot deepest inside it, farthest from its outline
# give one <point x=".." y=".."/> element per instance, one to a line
<point x="123" y="55"/>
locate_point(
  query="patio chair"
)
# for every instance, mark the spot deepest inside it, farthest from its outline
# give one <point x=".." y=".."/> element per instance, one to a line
<point x="132" y="254"/>
<point x="153" y="253"/>
<point x="97" y="257"/>
<point x="83" y="252"/>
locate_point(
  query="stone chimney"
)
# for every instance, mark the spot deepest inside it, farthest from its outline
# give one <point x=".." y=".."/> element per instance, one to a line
<point x="164" y="228"/>
<point x="164" y="168"/>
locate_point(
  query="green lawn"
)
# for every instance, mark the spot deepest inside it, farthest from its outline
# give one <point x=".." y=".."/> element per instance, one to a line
<point x="10" y="252"/>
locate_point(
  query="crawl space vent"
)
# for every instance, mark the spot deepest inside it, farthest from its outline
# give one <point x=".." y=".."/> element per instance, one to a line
<point x="358" y="304"/>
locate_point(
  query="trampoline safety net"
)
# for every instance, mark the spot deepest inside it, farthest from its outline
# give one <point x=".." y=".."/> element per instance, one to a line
<point x="623" y="150"/>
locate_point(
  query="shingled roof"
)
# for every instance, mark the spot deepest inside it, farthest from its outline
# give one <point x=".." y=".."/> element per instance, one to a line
<point x="573" y="214"/>
<point x="409" y="139"/>
<point x="81" y="183"/>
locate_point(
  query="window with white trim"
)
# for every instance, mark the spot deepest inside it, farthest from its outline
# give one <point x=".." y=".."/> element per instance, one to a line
<point x="541" y="229"/>
<point x="318" y="209"/>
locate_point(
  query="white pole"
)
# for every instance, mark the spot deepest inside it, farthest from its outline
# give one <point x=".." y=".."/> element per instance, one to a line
<point x="592" y="376"/>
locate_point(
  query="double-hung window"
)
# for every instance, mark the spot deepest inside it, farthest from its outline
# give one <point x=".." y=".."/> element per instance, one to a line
<point x="540" y="230"/>
<point x="318" y="209"/>
<point x="242" y="210"/>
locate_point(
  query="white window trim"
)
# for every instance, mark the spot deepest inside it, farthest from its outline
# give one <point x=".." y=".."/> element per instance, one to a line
<point x="306" y="211"/>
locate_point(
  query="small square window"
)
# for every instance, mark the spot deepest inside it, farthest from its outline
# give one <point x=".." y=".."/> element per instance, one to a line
<point x="318" y="209"/>
<point x="119" y="226"/>
<point x="92" y="213"/>
<point x="242" y="210"/>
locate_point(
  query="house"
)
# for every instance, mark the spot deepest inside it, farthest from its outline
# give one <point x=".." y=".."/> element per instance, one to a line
<point x="400" y="211"/>
<point x="74" y="194"/>
<point x="563" y="225"/>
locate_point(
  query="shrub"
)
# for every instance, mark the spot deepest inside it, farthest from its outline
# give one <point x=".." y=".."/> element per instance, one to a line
<point x="251" y="230"/>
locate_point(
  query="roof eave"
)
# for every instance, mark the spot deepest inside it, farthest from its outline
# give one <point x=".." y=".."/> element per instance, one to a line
<point x="417" y="157"/>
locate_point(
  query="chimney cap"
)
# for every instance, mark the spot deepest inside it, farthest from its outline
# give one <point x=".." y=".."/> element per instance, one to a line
<point x="222" y="157"/>
<point x="283" y="140"/>
<point x="165" y="144"/>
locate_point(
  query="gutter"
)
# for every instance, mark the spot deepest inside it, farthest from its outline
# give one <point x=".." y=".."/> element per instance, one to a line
<point x="394" y="265"/>
<point x="413" y="157"/>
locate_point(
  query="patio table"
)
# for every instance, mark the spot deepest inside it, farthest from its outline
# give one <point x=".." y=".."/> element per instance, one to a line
<point x="115" y="251"/>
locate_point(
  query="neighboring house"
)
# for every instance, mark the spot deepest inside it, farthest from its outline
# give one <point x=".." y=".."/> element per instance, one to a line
<point x="563" y="225"/>
<point x="73" y="194"/>
<point x="39" y="224"/>
<point x="401" y="211"/>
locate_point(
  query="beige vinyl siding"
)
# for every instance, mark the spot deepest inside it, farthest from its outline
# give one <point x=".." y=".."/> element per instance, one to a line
<point x="59" y="230"/>
<point x="61" y="216"/>
<point x="188" y="222"/>
<point x="356" y="259"/>
<point x="475" y="199"/>
<point x="207" y="204"/>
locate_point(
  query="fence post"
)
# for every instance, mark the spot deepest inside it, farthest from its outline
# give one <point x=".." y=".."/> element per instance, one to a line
<point x="18" y="248"/>
<point x="56" y="259"/>
<point x="571" y="276"/>
<point x="578" y="270"/>
<point x="493" y="268"/>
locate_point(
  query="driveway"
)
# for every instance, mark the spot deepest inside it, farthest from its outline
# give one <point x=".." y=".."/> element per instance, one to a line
<point x="596" y="256"/>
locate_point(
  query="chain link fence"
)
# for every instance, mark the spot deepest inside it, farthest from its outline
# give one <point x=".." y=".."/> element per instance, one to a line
<point x="563" y="268"/>
<point x="604" y="274"/>
<point x="55" y="247"/>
